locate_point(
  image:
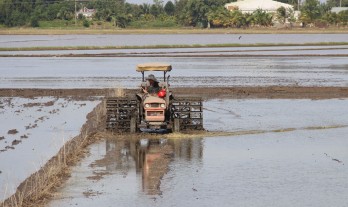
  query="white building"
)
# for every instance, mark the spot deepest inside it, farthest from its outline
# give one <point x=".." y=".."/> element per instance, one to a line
<point x="338" y="9"/>
<point x="249" y="6"/>
<point x="88" y="13"/>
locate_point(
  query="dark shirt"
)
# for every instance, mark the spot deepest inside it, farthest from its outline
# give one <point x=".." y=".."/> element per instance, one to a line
<point x="153" y="89"/>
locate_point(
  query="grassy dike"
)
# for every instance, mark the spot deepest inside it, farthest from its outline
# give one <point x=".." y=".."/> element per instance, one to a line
<point x="254" y="30"/>
<point x="167" y="46"/>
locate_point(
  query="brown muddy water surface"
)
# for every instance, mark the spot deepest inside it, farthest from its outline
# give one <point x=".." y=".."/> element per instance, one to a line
<point x="263" y="152"/>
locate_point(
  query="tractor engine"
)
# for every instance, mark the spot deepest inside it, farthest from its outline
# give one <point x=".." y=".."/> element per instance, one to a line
<point x="154" y="109"/>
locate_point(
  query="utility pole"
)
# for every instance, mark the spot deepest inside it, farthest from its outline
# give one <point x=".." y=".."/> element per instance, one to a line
<point x="75" y="15"/>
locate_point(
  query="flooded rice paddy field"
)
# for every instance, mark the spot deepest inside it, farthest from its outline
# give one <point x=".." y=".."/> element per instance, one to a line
<point x="231" y="66"/>
<point x="258" y="152"/>
<point x="13" y="41"/>
<point x="32" y="131"/>
<point x="111" y="72"/>
<point x="291" y="153"/>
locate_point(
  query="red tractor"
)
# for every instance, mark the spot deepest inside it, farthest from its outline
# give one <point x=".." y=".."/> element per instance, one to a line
<point x="160" y="110"/>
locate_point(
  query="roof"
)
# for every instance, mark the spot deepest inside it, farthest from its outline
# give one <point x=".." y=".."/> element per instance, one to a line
<point x="154" y="67"/>
<point x="252" y="5"/>
<point x="338" y="9"/>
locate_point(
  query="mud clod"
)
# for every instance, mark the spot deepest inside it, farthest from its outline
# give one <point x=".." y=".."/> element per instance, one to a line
<point x="28" y="105"/>
<point x="30" y="126"/>
<point x="15" y="142"/>
<point x="339" y="161"/>
<point x="50" y="103"/>
<point x="12" y="131"/>
<point x="98" y="176"/>
<point x="90" y="193"/>
<point x="24" y="136"/>
<point x="9" y="147"/>
<point x="1" y="138"/>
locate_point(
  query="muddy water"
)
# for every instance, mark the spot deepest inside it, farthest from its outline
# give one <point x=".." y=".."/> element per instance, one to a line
<point x="268" y="114"/>
<point x="32" y="131"/>
<point x="169" y="39"/>
<point x="305" y="166"/>
<point x="110" y="72"/>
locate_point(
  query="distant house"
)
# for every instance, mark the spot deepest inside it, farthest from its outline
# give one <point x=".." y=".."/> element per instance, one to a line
<point x="338" y="9"/>
<point x="88" y="13"/>
<point x="249" y="6"/>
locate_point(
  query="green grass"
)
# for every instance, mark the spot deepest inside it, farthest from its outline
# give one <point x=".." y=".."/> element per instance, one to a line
<point x="69" y="25"/>
<point x="153" y="24"/>
<point x="57" y="24"/>
<point x="167" y="46"/>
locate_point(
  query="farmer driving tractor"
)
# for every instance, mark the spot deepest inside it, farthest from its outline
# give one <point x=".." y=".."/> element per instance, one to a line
<point x="153" y="86"/>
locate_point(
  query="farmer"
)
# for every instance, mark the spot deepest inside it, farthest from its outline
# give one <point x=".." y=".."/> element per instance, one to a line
<point x="153" y="86"/>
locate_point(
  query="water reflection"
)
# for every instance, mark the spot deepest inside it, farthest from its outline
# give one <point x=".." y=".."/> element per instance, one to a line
<point x="150" y="158"/>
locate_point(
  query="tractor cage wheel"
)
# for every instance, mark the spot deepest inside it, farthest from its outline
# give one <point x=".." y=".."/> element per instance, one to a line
<point x="122" y="114"/>
<point x="189" y="112"/>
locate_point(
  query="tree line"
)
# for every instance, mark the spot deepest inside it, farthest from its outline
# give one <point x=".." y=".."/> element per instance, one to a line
<point x="188" y="13"/>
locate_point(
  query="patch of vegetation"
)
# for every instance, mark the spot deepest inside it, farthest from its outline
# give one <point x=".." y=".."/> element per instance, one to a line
<point x="86" y="23"/>
<point x="57" y="24"/>
<point x="153" y="24"/>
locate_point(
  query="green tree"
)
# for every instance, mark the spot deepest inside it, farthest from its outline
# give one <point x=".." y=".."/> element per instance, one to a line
<point x="281" y="15"/>
<point x="52" y="11"/>
<point x="14" y="13"/>
<point x="169" y="8"/>
<point x="134" y="10"/>
<point x="331" y="18"/>
<point x="122" y="21"/>
<point x="310" y="11"/>
<point x="285" y="14"/>
<point x="195" y="12"/>
<point x="262" y="18"/>
<point x="155" y="10"/>
<point x="220" y="17"/>
<point x="34" y="21"/>
<point x="86" y="23"/>
<point x="179" y="7"/>
<point x="239" y="19"/>
<point x="343" y="17"/>
<point x="145" y="8"/>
